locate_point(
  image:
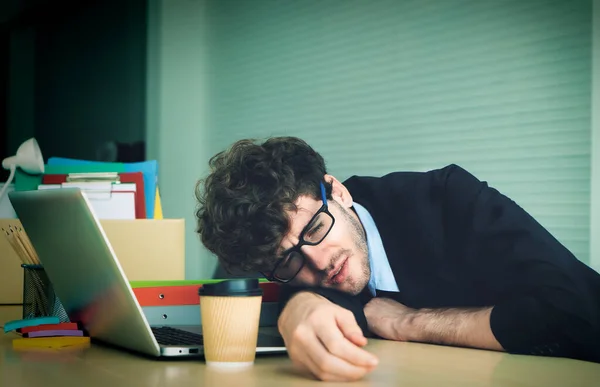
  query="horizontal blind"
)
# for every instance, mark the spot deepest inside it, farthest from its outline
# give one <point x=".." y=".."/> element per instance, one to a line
<point x="501" y="88"/>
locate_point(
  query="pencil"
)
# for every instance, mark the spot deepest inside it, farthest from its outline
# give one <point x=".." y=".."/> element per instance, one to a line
<point x="26" y="254"/>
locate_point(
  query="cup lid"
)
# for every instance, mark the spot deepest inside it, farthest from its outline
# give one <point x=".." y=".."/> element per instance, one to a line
<point x="233" y="287"/>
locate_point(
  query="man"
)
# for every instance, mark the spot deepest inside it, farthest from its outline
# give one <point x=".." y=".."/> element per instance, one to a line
<point x="436" y="257"/>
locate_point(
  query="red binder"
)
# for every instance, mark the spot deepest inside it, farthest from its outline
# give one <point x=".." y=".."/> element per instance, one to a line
<point x="188" y="294"/>
<point x="50" y="327"/>
<point x="124" y="177"/>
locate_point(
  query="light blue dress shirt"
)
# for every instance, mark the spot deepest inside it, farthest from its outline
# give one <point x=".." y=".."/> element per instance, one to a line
<point x="382" y="277"/>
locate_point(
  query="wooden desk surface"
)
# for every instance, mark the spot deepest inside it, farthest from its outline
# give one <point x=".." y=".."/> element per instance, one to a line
<point x="401" y="364"/>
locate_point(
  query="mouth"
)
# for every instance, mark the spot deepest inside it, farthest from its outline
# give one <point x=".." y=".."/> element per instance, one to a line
<point x="339" y="274"/>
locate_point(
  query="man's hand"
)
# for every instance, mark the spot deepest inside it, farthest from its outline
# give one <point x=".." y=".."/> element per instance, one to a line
<point x="324" y="339"/>
<point x="387" y="318"/>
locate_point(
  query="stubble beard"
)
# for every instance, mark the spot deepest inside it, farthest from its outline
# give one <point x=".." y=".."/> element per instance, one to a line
<point x="359" y="282"/>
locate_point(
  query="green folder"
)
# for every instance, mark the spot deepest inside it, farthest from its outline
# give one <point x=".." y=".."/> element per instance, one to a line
<point x="27" y="182"/>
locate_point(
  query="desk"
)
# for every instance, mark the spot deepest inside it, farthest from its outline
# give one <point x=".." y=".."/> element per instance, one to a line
<point x="401" y="364"/>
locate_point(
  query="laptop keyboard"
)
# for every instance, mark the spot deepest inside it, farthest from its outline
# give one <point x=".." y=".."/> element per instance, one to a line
<point x="174" y="336"/>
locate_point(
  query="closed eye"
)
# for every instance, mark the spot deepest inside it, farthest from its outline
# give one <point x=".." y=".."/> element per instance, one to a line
<point x="285" y="261"/>
<point x="314" y="230"/>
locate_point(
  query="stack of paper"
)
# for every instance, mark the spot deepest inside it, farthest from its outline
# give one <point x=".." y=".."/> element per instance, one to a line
<point x="46" y="332"/>
<point x="115" y="190"/>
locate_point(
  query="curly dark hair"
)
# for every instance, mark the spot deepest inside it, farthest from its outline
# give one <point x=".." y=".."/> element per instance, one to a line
<point x="243" y="203"/>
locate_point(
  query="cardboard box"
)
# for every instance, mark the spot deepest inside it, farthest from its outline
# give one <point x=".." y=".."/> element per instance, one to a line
<point x="148" y="250"/>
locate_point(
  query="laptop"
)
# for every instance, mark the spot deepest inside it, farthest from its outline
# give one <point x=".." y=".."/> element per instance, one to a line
<point x="90" y="283"/>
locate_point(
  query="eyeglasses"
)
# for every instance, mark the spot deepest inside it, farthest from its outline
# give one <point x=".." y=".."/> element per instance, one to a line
<point x="288" y="267"/>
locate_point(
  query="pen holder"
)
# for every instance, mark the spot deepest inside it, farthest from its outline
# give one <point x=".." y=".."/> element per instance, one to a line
<point x="39" y="299"/>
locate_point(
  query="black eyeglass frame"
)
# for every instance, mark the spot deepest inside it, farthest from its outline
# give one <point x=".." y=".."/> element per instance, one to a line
<point x="288" y="253"/>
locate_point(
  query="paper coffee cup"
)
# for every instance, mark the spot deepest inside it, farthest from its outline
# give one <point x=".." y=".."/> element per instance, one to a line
<point x="230" y="313"/>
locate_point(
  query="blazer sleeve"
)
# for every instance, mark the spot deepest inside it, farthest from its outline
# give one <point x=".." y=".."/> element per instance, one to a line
<point x="354" y="304"/>
<point x="547" y="304"/>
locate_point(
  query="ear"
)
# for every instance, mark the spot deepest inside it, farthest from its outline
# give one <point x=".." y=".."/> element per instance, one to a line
<point x="339" y="192"/>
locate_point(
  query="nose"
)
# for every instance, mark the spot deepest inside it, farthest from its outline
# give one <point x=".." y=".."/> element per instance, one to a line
<point x="315" y="257"/>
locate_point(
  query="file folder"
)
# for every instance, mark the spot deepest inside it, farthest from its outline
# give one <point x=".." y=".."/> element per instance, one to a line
<point x="192" y="314"/>
<point x="160" y="293"/>
<point x="27" y="182"/>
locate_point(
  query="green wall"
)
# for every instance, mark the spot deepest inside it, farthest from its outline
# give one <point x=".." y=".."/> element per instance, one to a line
<point x="177" y="114"/>
<point x="595" y="186"/>
<point x="502" y="88"/>
<point x="90" y="78"/>
<point x="21" y="88"/>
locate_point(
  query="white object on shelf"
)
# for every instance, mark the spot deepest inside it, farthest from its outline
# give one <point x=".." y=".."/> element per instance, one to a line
<point x="108" y="200"/>
<point x="6" y="209"/>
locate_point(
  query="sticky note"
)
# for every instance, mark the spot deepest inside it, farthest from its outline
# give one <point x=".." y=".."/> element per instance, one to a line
<point x="29" y="322"/>
<point x="50" y="342"/>
<point x="54" y="333"/>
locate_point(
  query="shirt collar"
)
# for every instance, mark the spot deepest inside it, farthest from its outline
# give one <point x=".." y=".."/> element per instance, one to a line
<point x="382" y="277"/>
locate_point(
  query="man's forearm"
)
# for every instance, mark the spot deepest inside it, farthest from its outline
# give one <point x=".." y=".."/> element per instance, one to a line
<point x="458" y="327"/>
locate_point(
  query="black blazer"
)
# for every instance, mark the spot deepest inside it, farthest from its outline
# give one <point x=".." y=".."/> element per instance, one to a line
<point x="453" y="241"/>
